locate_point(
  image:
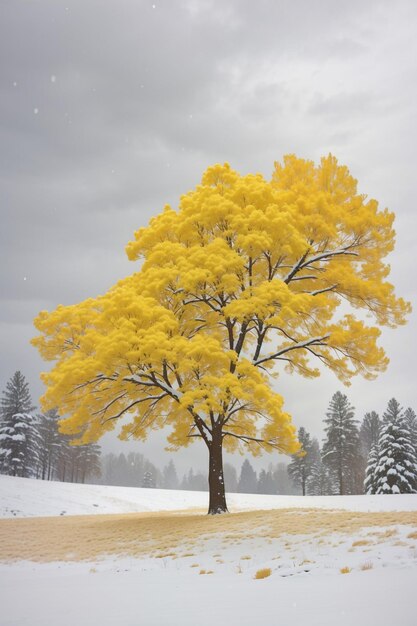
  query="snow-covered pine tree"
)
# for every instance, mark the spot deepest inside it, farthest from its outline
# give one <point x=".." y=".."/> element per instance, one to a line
<point x="300" y="467"/>
<point x="19" y="445"/>
<point x="148" y="480"/>
<point x="411" y="421"/>
<point x="393" y="412"/>
<point x="369" y="484"/>
<point x="341" y="446"/>
<point x="320" y="481"/>
<point x="396" y="469"/>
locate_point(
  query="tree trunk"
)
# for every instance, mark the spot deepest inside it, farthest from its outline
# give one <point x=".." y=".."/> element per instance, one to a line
<point x="217" y="501"/>
<point x="341" y="485"/>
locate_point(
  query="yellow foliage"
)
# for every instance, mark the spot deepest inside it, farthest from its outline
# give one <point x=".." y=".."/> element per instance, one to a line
<point x="247" y="274"/>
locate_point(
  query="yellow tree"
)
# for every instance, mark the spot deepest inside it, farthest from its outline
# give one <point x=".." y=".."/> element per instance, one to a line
<point x="245" y="275"/>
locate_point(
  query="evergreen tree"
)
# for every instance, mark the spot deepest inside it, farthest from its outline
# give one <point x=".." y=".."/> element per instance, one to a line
<point x="300" y="467"/>
<point x="248" y="481"/>
<point x="170" y="477"/>
<point x="266" y="482"/>
<point x="89" y="463"/>
<point x="411" y="421"/>
<point x="341" y="447"/>
<point x="16" y="397"/>
<point x="19" y="445"/>
<point x="230" y="478"/>
<point x="320" y="482"/>
<point x="148" y="480"/>
<point x="369" y="432"/>
<point x="50" y="441"/>
<point x="393" y="412"/>
<point x="108" y="469"/>
<point x="396" y="469"/>
<point x="283" y="485"/>
<point x="370" y="477"/>
<point x="76" y="464"/>
<point x="194" y="482"/>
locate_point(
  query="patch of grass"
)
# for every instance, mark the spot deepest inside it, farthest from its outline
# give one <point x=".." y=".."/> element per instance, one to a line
<point x="164" y="555"/>
<point x="360" y="542"/>
<point x="247" y="557"/>
<point x="367" y="565"/>
<point x="263" y="573"/>
<point x="386" y="534"/>
<point x="168" y="534"/>
<point x="345" y="570"/>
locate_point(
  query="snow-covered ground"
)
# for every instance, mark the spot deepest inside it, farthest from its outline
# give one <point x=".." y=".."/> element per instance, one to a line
<point x="23" y="497"/>
<point x="213" y="582"/>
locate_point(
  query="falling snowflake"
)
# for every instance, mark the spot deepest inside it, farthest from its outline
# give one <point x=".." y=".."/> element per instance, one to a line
<point x="53" y="78"/>
<point x="36" y="110"/>
<point x="15" y="84"/>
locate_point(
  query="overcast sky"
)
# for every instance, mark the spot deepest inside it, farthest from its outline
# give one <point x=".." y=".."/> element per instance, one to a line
<point x="109" y="110"/>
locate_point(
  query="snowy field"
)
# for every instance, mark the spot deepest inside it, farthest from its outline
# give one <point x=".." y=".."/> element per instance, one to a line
<point x="23" y="497"/>
<point x="154" y="559"/>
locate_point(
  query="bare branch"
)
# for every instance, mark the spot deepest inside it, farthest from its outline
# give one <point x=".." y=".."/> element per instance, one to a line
<point x="297" y="346"/>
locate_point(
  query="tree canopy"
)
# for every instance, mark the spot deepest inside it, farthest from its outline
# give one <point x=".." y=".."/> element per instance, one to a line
<point x="245" y="275"/>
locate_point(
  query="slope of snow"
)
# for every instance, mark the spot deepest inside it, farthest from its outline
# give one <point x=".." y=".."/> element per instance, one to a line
<point x="24" y="497"/>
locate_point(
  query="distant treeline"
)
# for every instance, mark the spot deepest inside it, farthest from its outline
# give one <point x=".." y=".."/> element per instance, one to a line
<point x="135" y="470"/>
<point x="379" y="455"/>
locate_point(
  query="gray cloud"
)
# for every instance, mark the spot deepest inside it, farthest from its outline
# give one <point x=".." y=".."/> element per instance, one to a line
<point x="107" y="112"/>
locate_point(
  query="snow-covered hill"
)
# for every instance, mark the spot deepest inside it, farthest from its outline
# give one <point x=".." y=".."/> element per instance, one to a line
<point x="23" y="497"/>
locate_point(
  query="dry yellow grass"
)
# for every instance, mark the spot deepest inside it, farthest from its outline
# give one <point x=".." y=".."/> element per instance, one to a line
<point x="345" y="570"/>
<point x="367" y="565"/>
<point x="360" y="542"/>
<point x="168" y="534"/>
<point x="263" y="573"/>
